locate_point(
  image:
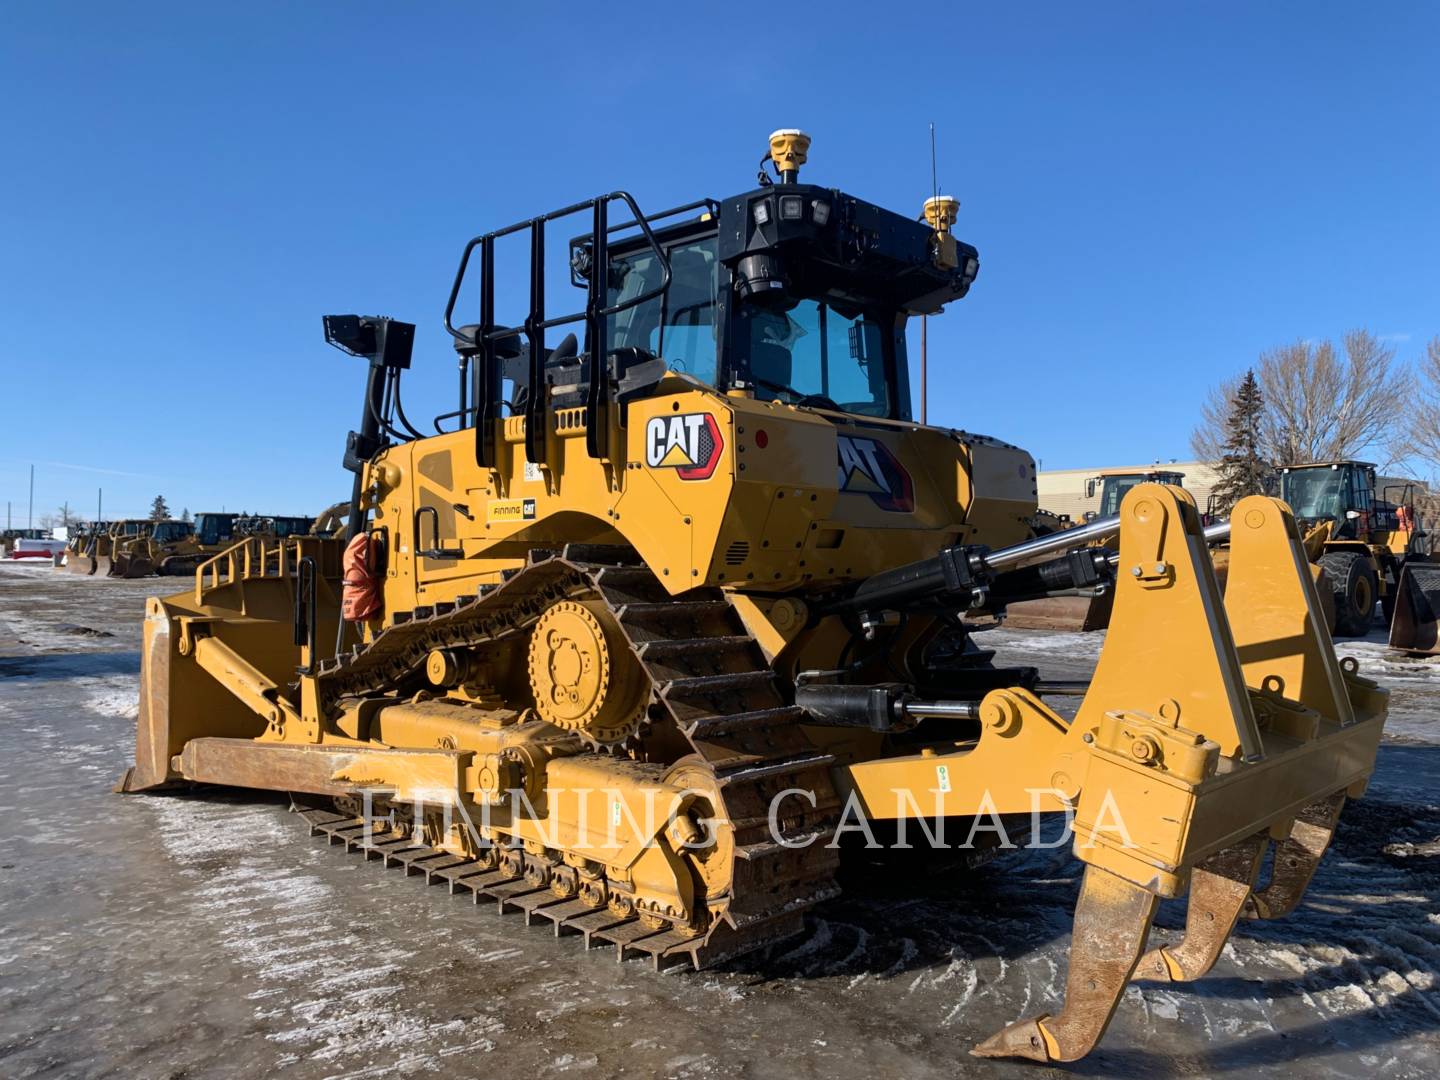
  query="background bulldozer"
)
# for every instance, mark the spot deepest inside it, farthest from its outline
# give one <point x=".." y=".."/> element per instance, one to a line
<point x="92" y="551"/>
<point x="630" y="644"/>
<point x="1089" y="609"/>
<point x="174" y="548"/>
<point x="141" y="556"/>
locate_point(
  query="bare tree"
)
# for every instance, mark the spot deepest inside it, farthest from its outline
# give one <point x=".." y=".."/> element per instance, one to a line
<point x="1425" y="428"/>
<point x="1207" y="441"/>
<point x="1320" y="405"/>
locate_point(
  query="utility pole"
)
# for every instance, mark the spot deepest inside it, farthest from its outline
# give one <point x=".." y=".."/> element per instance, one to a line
<point x="99" y="504"/>
<point x="30" y="514"/>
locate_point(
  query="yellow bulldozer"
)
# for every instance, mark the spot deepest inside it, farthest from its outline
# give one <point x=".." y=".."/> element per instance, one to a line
<point x="637" y="640"/>
<point x="176" y="548"/>
<point x="92" y="550"/>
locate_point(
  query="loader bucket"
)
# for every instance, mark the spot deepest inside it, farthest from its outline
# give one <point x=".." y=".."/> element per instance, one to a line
<point x="1211" y="729"/>
<point x="1415" y="627"/>
<point x="1076" y="613"/>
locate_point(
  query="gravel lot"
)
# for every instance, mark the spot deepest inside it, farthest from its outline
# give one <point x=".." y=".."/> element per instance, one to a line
<point x="208" y="937"/>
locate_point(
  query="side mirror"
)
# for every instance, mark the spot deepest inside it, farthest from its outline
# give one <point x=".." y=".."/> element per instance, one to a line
<point x="1089" y="489"/>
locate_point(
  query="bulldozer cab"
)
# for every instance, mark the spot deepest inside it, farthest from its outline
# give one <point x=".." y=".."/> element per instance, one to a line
<point x="807" y="344"/>
<point x="170" y="532"/>
<point x="291" y="526"/>
<point x="130" y="529"/>
<point x="790" y="292"/>
<point x="214" y="529"/>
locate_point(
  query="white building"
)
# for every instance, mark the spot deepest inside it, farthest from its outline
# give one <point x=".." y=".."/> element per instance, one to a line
<point x="1062" y="491"/>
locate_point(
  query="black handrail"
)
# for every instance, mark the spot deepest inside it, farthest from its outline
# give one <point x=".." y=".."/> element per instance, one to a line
<point x="436" y="552"/>
<point x="594" y="315"/>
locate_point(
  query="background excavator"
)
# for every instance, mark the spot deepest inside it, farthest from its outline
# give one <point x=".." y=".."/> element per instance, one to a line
<point x="630" y="644"/>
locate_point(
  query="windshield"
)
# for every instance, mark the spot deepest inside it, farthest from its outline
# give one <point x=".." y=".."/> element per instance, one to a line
<point x="679" y="325"/>
<point x="1114" y="491"/>
<point x="1314" y="494"/>
<point x="172" y="530"/>
<point x="292" y="526"/>
<point x="1114" y="488"/>
<point x="817" y="354"/>
<point x="213" y="528"/>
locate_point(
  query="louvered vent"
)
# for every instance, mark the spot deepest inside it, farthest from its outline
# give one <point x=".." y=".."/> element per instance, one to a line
<point x="737" y="553"/>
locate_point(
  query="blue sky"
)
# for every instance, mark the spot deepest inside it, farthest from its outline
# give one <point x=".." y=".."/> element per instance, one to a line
<point x="1158" y="191"/>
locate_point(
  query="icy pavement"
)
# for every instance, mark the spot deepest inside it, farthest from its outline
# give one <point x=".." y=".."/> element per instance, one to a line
<point x="208" y="937"/>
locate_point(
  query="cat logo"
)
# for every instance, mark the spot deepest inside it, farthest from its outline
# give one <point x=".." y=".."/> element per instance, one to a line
<point x="689" y="443"/>
<point x="868" y="467"/>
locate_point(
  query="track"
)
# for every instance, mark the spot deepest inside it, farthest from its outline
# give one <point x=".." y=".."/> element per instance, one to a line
<point x="713" y="694"/>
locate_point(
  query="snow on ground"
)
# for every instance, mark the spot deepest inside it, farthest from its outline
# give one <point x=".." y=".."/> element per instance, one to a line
<point x="206" y="936"/>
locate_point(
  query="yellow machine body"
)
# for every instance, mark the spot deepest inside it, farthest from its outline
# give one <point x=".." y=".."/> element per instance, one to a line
<point x="791" y="501"/>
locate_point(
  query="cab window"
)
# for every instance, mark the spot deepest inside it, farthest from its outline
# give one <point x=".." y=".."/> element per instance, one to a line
<point x="817" y="353"/>
<point x="679" y="325"/>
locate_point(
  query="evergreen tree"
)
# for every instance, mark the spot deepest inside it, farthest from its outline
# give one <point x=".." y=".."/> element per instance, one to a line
<point x="158" y="510"/>
<point x="185" y="515"/>
<point x="1242" y="468"/>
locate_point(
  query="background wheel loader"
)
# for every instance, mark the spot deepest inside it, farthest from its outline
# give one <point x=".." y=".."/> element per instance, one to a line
<point x="1090" y="610"/>
<point x="1363" y="543"/>
<point x="631" y="645"/>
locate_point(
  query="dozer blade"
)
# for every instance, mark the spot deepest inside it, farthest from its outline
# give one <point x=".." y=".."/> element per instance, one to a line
<point x="132" y="566"/>
<point x="1209" y="727"/>
<point x="1077" y="613"/>
<point x="80" y="564"/>
<point x="1415" y="627"/>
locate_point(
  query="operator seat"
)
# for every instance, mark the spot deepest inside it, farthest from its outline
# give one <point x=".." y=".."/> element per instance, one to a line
<point x="771" y="363"/>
